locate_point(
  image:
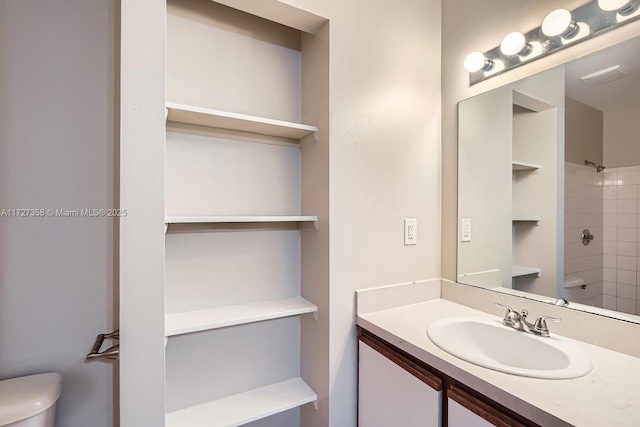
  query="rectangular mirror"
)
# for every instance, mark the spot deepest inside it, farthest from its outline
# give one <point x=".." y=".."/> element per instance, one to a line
<point x="548" y="184"/>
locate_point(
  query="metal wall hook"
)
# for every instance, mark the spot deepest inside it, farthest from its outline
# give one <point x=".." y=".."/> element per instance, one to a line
<point x="111" y="353"/>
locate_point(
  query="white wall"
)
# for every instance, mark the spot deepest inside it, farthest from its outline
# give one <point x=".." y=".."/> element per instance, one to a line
<point x="57" y="150"/>
<point x="385" y="161"/>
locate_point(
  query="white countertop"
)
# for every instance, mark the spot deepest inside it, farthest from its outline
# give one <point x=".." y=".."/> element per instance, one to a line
<point x="608" y="396"/>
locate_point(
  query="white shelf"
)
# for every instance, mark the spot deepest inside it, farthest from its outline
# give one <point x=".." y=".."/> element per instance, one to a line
<point x="221" y="317"/>
<point x="236" y="219"/>
<point x="192" y="115"/>
<point x="523" y="166"/>
<point x="245" y="407"/>
<point x="517" y="271"/>
<point x="526" y="219"/>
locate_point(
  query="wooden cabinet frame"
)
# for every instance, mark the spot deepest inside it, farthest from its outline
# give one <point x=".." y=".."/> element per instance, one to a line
<point x="472" y="400"/>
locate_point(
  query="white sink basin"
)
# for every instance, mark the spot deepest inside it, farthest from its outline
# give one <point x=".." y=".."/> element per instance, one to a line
<point x="488" y="343"/>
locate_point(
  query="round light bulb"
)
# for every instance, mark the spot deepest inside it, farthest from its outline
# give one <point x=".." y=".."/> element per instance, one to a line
<point x="475" y="61"/>
<point x="558" y="22"/>
<point x="514" y="44"/>
<point x="612" y="5"/>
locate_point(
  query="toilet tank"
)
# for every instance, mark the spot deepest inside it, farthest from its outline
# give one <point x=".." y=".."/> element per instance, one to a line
<point x="29" y="401"/>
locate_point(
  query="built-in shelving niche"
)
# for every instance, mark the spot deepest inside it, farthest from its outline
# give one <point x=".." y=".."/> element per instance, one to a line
<point x="533" y="148"/>
<point x="246" y="185"/>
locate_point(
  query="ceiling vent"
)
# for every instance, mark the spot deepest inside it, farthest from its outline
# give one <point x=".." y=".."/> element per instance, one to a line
<point x="605" y="76"/>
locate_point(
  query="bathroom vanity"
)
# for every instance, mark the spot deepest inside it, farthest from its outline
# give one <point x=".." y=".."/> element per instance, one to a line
<point x="427" y="396"/>
<point x="393" y="342"/>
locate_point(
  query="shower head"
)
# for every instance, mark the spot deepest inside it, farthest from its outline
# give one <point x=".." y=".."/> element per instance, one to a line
<point x="599" y="168"/>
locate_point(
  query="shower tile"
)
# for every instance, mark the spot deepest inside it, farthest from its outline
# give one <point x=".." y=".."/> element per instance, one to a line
<point x="626" y="248"/>
<point x="609" y="233"/>
<point x="625" y="277"/>
<point x="573" y="189"/>
<point x="627" y="177"/>
<point x="595" y="206"/>
<point x="577" y="176"/>
<point x="610" y="193"/>
<point x="609" y="274"/>
<point x="610" y="179"/>
<point x="610" y="220"/>
<point x="574" y="204"/>
<point x="576" y="265"/>
<point x="572" y="219"/>
<point x="572" y="234"/>
<point x="626" y="305"/>
<point x="627" y="234"/>
<point x="626" y="263"/>
<point x="609" y="247"/>
<point x="576" y="250"/>
<point x="610" y="288"/>
<point x="609" y="302"/>
<point x="626" y="220"/>
<point x="626" y="291"/>
<point x="593" y="192"/>
<point x="591" y="276"/>
<point x="594" y="302"/>
<point x="610" y="206"/>
<point x="627" y="168"/>
<point x="628" y="192"/>
<point x="593" y="220"/>
<point x="609" y="261"/>
<point x="627" y="206"/>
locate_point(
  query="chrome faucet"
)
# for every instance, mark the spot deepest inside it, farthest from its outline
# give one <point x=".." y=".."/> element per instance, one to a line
<point x="518" y="321"/>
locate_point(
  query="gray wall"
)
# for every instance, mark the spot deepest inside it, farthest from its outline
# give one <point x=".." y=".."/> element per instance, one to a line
<point x="583" y="132"/>
<point x="621" y="146"/>
<point x="57" y="150"/>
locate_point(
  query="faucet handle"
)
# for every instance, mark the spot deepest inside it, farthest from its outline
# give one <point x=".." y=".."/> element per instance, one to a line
<point x="511" y="316"/>
<point x="509" y="309"/>
<point x="540" y="327"/>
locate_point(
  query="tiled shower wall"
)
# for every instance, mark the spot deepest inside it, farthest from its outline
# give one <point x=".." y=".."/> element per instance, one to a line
<point x="621" y="237"/>
<point x="584" y="209"/>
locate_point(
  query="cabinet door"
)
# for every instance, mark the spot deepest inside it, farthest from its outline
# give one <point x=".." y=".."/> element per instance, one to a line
<point x="388" y="395"/>
<point x="459" y="416"/>
<point x="466" y="410"/>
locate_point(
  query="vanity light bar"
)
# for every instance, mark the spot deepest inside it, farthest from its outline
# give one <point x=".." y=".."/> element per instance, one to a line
<point x="560" y="28"/>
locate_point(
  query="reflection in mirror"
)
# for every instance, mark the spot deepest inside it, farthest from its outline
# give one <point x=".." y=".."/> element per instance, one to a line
<point x="548" y="185"/>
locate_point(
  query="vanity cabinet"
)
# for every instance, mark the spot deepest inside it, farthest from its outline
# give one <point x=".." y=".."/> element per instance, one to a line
<point x="466" y="410"/>
<point x="395" y="388"/>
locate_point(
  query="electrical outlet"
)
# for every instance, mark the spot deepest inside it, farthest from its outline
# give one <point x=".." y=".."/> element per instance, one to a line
<point x="410" y="232"/>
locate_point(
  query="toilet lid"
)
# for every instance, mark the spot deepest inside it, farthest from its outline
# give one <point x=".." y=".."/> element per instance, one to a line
<point x="24" y="397"/>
